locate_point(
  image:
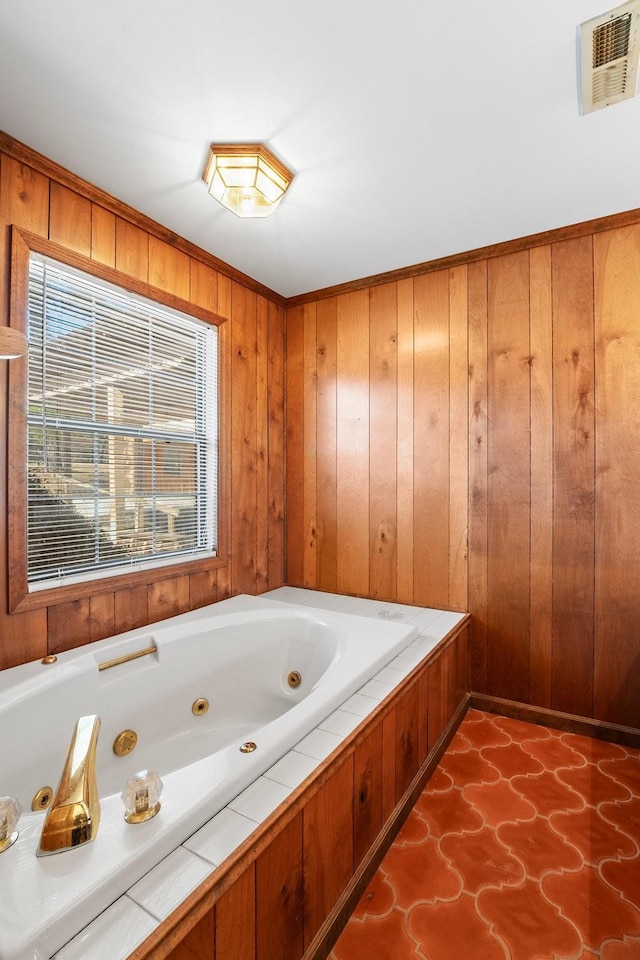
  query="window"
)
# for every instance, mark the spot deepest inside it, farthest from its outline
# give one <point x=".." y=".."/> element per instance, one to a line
<point x="121" y="424"/>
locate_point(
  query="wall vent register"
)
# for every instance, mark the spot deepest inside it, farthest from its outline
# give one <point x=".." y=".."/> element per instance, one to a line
<point x="609" y="57"/>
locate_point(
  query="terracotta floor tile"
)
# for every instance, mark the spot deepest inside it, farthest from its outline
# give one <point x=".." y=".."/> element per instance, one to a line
<point x="593" y="785"/>
<point x="421" y="873"/>
<point x="539" y="847"/>
<point x="547" y="793"/>
<point x="447" y="813"/>
<point x="529" y="925"/>
<point x="453" y="931"/>
<point x="469" y="767"/>
<point x="483" y="733"/>
<point x="414" y="830"/>
<point x="627" y="949"/>
<point x="378" y="899"/>
<point x="520" y="730"/>
<point x="554" y="753"/>
<point x="481" y="860"/>
<point x="623" y="876"/>
<point x="593" y="750"/>
<point x="440" y="781"/>
<point x="625" y="814"/>
<point x="626" y="770"/>
<point x="595" y="838"/>
<point x="592" y="905"/>
<point x="384" y="939"/>
<point x="476" y="716"/>
<point x="511" y="760"/>
<point x="490" y="864"/>
<point x="459" y="743"/>
<point x="498" y="802"/>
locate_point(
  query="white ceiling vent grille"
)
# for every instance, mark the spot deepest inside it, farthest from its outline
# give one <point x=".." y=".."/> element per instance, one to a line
<point x="610" y="48"/>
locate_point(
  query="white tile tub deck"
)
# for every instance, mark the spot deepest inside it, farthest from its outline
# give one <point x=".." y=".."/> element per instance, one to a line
<point x="127" y="922"/>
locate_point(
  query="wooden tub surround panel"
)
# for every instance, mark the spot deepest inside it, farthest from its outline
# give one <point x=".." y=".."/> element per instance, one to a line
<point x="288" y="890"/>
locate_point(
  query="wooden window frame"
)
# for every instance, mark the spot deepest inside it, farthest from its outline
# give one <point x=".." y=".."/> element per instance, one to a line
<point x="19" y="597"/>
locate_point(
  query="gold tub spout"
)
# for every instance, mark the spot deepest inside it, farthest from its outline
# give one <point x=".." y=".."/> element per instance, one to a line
<point x="74" y="815"/>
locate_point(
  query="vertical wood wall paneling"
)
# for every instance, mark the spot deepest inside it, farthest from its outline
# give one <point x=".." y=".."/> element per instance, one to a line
<point x="541" y="536"/>
<point x="405" y="533"/>
<point x="276" y="452"/>
<point x="458" y="437"/>
<point x="328" y="847"/>
<point x="203" y="285"/>
<point x="431" y="439"/>
<point x="132" y="250"/>
<point x="168" y="598"/>
<point x="131" y="608"/>
<point x="508" y="508"/>
<point x="617" y="612"/>
<point x="295" y="445"/>
<point x="198" y="943"/>
<point x="383" y="358"/>
<point x="407" y="739"/>
<point x="327" y="457"/>
<point x="103" y="235"/>
<point x="243" y="439"/>
<point x="24" y="196"/>
<point x="168" y="268"/>
<point x="280" y="896"/>
<point x="352" y="412"/>
<point x="70" y="219"/>
<point x="367" y="793"/>
<point x="478" y="479"/>
<point x="262" y="446"/>
<point x="388" y="764"/>
<point x="235" y="919"/>
<point x="309" y="552"/>
<point x="574" y="481"/>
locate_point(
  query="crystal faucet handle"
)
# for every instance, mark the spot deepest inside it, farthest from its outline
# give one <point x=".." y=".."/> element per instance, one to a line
<point x="10" y="811"/>
<point x="141" y="796"/>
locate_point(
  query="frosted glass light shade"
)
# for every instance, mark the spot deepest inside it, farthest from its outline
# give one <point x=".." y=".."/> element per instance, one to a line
<point x="246" y="178"/>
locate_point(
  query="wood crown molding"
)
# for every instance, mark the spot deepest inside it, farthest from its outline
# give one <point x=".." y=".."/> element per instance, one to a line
<point x="24" y="154"/>
<point x="625" y="219"/>
<point x="50" y="168"/>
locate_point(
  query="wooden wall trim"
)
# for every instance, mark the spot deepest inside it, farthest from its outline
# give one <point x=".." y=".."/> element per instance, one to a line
<point x="24" y="154"/>
<point x="517" y="245"/>
<point x="568" y="722"/>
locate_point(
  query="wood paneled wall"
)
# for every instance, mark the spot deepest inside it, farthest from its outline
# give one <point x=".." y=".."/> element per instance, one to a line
<point x="35" y="200"/>
<point x="470" y="437"/>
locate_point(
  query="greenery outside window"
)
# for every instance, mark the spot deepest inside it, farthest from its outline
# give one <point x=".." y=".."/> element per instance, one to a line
<point x="121" y="430"/>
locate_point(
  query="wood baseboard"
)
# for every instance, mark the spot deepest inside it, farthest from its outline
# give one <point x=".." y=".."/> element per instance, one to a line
<point x="569" y="722"/>
<point x="323" y="942"/>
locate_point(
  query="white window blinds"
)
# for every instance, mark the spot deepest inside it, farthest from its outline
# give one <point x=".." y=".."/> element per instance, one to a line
<point x="122" y="429"/>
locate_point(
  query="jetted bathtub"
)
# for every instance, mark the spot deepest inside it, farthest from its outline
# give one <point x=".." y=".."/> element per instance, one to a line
<point x="237" y="655"/>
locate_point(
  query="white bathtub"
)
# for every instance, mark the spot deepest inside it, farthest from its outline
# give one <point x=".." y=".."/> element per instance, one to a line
<point x="236" y="654"/>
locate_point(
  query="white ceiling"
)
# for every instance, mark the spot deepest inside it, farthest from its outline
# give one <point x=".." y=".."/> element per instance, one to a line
<point x="415" y="130"/>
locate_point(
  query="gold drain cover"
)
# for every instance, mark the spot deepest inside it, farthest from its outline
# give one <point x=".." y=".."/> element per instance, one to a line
<point x="125" y="742"/>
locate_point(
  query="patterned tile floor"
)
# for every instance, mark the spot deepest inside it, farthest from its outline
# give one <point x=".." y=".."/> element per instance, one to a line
<point x="525" y="845"/>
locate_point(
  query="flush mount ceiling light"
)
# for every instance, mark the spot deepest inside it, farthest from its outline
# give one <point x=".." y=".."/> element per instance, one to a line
<point x="246" y="178"/>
